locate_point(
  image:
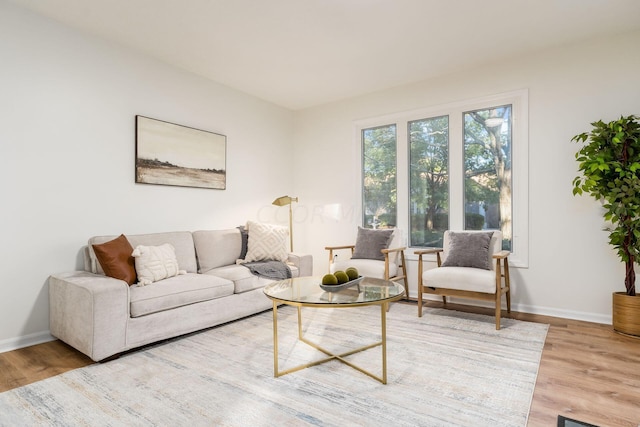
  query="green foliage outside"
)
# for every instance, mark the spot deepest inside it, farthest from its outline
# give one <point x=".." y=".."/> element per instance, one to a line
<point x="487" y="161"/>
<point x="473" y="221"/>
<point x="429" y="180"/>
<point x="487" y="169"/>
<point x="379" y="175"/>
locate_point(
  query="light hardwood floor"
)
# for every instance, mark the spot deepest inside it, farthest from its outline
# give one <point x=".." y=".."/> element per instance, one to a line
<point x="587" y="371"/>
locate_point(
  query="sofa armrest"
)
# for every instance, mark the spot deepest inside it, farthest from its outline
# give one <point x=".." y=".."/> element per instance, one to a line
<point x="89" y="312"/>
<point x="304" y="263"/>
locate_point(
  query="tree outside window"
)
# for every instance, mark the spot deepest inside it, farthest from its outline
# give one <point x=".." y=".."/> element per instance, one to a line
<point x="487" y="171"/>
<point x="379" y="176"/>
<point x="429" y="181"/>
<point x="462" y="166"/>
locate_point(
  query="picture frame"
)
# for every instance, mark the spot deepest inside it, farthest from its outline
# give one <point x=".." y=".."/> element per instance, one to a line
<point x="176" y="155"/>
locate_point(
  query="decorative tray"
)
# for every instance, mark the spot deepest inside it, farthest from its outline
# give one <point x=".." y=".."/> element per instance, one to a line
<point x="345" y="285"/>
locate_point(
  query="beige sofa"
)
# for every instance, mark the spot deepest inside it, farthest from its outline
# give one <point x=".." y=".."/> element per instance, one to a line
<point x="102" y="316"/>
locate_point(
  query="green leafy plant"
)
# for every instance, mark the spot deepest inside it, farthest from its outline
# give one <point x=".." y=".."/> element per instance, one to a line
<point x="610" y="166"/>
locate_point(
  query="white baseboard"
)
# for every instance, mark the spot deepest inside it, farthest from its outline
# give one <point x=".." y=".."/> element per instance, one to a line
<point x="25" y="341"/>
<point x="565" y="314"/>
<point x="544" y="311"/>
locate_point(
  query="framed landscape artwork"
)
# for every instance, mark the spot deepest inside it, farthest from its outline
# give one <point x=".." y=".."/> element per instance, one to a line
<point x="170" y="154"/>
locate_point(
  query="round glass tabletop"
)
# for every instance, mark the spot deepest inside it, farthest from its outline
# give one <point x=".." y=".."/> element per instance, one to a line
<point x="307" y="291"/>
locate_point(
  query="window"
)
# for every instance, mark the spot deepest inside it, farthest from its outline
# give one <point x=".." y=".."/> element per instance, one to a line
<point x="428" y="180"/>
<point x="379" y="177"/>
<point x="487" y="171"/>
<point x="465" y="167"/>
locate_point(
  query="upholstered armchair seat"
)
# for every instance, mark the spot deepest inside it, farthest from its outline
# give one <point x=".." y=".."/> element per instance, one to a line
<point x="386" y="263"/>
<point x="475" y="267"/>
<point x="366" y="267"/>
<point x="462" y="279"/>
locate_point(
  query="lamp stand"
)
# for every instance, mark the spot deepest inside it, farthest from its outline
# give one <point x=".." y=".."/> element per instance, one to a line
<point x="291" y="226"/>
<point x="287" y="200"/>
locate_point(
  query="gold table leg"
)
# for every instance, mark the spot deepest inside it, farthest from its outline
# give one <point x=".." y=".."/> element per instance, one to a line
<point x="383" y="325"/>
<point x="331" y="356"/>
<point x="275" y="339"/>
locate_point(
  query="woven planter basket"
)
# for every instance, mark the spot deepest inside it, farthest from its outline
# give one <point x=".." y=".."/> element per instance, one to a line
<point x="626" y="314"/>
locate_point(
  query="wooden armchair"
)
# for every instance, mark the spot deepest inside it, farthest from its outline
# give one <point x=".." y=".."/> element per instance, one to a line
<point x="484" y="278"/>
<point x="390" y="266"/>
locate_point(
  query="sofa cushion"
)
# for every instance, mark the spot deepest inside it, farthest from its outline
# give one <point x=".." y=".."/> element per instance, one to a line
<point x="267" y="242"/>
<point x="241" y="277"/>
<point x="182" y="241"/>
<point x="155" y="263"/>
<point x="115" y="259"/>
<point x="217" y="248"/>
<point x="176" y="292"/>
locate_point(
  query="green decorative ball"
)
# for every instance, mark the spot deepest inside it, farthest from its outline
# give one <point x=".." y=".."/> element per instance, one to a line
<point x="341" y="276"/>
<point x="352" y="272"/>
<point x="329" y="279"/>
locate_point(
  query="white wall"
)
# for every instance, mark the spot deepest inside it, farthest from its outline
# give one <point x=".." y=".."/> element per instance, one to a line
<point x="572" y="270"/>
<point x="67" y="107"/>
<point x="67" y="147"/>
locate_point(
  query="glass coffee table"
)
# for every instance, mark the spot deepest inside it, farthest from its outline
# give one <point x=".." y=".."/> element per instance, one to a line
<point x="306" y="292"/>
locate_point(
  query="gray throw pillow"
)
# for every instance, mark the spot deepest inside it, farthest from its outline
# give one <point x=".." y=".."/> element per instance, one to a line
<point x="469" y="250"/>
<point x="370" y="242"/>
<point x="244" y="235"/>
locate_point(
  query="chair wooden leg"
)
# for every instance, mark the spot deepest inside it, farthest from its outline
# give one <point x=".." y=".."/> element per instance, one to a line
<point x="404" y="273"/>
<point x="507" y="284"/>
<point x="420" y="285"/>
<point x="444" y="300"/>
<point x="498" y="311"/>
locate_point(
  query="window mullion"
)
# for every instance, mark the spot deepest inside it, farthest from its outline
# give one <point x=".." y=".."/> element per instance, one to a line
<point x="402" y="176"/>
<point x="456" y="171"/>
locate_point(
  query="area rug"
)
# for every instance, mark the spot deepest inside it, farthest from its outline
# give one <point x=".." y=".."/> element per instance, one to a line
<point x="446" y="368"/>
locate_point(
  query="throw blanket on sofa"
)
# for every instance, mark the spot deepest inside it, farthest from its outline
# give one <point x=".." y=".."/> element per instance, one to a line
<point x="275" y="270"/>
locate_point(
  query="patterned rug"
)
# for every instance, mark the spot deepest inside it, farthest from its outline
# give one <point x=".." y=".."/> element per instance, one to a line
<point x="445" y="369"/>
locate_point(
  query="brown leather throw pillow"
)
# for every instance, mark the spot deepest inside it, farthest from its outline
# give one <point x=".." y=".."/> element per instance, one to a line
<point x="116" y="260"/>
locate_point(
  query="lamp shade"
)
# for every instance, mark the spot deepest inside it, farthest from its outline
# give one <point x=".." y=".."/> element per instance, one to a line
<point x="284" y="200"/>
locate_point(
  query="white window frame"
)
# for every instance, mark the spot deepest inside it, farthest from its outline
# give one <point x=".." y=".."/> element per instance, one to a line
<point x="519" y="100"/>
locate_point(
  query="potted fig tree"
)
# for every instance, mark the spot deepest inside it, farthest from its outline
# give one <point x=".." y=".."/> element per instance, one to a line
<point x="609" y="164"/>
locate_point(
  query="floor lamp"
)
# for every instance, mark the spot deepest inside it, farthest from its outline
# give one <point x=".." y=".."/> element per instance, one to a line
<point x="283" y="201"/>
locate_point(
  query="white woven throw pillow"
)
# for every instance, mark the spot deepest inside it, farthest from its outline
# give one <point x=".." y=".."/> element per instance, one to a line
<point x="154" y="263"/>
<point x="266" y="242"/>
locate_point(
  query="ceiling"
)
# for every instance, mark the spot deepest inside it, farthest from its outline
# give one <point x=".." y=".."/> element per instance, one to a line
<point x="302" y="53"/>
